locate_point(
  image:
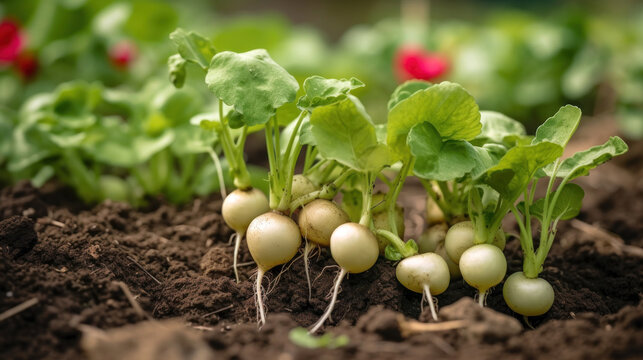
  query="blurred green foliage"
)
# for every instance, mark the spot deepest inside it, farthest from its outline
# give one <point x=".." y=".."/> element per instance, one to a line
<point x="89" y="120"/>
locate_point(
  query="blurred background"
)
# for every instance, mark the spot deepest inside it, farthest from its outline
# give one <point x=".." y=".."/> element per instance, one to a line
<point x="99" y="59"/>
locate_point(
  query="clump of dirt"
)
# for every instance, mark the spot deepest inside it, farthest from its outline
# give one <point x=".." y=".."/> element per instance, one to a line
<point x="17" y="233"/>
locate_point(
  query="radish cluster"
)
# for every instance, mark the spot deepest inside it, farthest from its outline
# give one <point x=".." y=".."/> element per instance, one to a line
<point x="476" y="167"/>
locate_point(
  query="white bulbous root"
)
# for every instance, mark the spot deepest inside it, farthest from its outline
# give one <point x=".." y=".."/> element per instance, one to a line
<point x="461" y="237"/>
<point x="317" y="222"/>
<point x="483" y="267"/>
<point x="526" y="296"/>
<point x="354" y="248"/>
<point x="426" y="273"/>
<point x="239" y="208"/>
<point x="273" y="239"/>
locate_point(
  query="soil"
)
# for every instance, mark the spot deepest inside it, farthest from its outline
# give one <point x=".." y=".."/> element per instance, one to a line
<point x="111" y="265"/>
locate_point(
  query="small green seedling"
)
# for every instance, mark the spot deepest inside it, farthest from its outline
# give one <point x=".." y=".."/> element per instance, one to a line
<point x="301" y="337"/>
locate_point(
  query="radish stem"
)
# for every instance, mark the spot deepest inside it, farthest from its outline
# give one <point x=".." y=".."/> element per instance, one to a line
<point x="429" y="298"/>
<point x="329" y="310"/>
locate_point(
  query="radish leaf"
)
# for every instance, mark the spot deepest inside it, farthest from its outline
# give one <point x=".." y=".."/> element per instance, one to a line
<point x="447" y="106"/>
<point x="343" y="131"/>
<point x="252" y="83"/>
<point x="321" y="91"/>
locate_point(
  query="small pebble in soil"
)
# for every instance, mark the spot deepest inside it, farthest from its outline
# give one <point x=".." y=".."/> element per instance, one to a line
<point x="18" y="234"/>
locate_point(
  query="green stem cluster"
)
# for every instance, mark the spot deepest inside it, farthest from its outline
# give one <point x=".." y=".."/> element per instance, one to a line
<point x="233" y="152"/>
<point x="535" y="258"/>
<point x="282" y="165"/>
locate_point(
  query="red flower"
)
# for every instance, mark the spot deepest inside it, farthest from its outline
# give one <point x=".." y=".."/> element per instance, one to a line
<point x="11" y="41"/>
<point x="27" y="64"/>
<point x="122" y="54"/>
<point x="414" y="63"/>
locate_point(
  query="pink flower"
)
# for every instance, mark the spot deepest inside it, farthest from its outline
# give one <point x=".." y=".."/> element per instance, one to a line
<point x="26" y="64"/>
<point x="415" y="63"/>
<point x="122" y="54"/>
<point x="11" y="41"/>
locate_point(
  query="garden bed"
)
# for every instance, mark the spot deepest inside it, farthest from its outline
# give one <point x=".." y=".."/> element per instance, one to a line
<point x="176" y="263"/>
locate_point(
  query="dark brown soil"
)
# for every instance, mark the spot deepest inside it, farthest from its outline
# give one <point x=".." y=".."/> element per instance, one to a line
<point x="176" y="263"/>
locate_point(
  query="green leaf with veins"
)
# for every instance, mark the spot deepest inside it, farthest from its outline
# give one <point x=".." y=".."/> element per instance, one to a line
<point x="176" y="66"/>
<point x="496" y="127"/>
<point x="405" y="90"/>
<point x="447" y="106"/>
<point x="452" y="159"/>
<point x="567" y="206"/>
<point x="320" y="91"/>
<point x="343" y="131"/>
<point x="193" y="47"/>
<point x="559" y="128"/>
<point x="437" y="160"/>
<point x="582" y="162"/>
<point x="252" y="83"/>
<point x="511" y="176"/>
<point x="487" y="156"/>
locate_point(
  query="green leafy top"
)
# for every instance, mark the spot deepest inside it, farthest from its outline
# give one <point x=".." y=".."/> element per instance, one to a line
<point x="321" y="91"/>
<point x="559" y="128"/>
<point x="193" y="47"/>
<point x="405" y="90"/>
<point x="511" y="176"/>
<point x="343" y="131"/>
<point x="252" y="83"/>
<point x="447" y="106"/>
<point x="497" y="128"/>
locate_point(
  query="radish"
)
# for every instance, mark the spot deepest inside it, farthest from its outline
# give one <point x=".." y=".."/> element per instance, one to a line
<point x="434" y="214"/>
<point x="454" y="269"/>
<point x="461" y="237"/>
<point x="239" y="208"/>
<point x="301" y="186"/>
<point x="432" y="238"/>
<point x="354" y="248"/>
<point x="425" y="273"/>
<point x="528" y="297"/>
<point x="483" y="267"/>
<point x="273" y="239"/>
<point x="317" y="222"/>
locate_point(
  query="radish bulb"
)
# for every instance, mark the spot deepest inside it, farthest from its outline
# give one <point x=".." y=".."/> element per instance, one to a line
<point x="461" y="236"/>
<point x="354" y="248"/>
<point x="483" y="267"/>
<point x="301" y="186"/>
<point x="273" y="239"/>
<point x="432" y="238"/>
<point x="424" y="273"/>
<point x="317" y="222"/>
<point x="528" y="297"/>
<point x="239" y="208"/>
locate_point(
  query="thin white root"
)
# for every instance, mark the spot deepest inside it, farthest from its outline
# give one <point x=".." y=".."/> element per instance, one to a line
<point x="235" y="256"/>
<point x="331" y="305"/>
<point x="307" y="269"/>
<point x="429" y="299"/>
<point x="482" y="295"/>
<point x="322" y="271"/>
<point x="232" y="238"/>
<point x="260" y="308"/>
